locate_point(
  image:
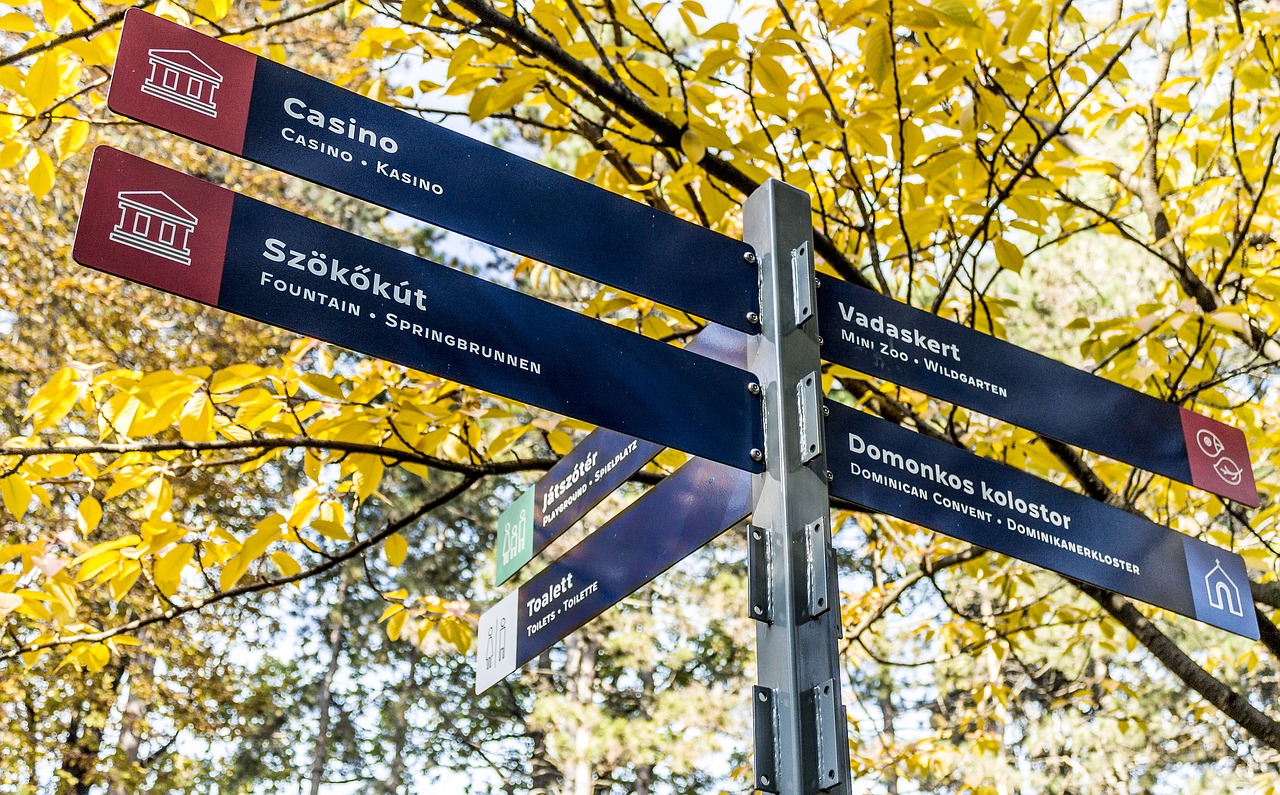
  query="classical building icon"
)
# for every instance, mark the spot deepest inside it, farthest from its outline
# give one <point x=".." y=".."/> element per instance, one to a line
<point x="181" y="77"/>
<point x="1223" y="592"/>
<point x="151" y="221"/>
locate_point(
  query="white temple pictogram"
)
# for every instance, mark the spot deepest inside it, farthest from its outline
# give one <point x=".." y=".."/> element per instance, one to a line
<point x="181" y="77"/>
<point x="151" y="221"/>
<point x="1223" y="592"/>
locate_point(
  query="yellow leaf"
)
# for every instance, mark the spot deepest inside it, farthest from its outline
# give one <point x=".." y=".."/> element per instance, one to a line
<point x="257" y="543"/>
<point x="122" y="582"/>
<point x="285" y="563"/>
<point x="232" y="571"/>
<point x="1008" y="255"/>
<point x="89" y="515"/>
<point x="561" y="443"/>
<point x="457" y="632"/>
<point x="53" y="400"/>
<point x="395" y="547"/>
<point x="97" y="656"/>
<point x="503" y="441"/>
<point x="305" y="503"/>
<point x="396" y="625"/>
<point x="44" y="80"/>
<point x="1026" y="21"/>
<point x="323" y="385"/>
<point x="40" y="173"/>
<point x="17" y="23"/>
<point x="16" y="494"/>
<point x="877" y="50"/>
<point x="693" y="147"/>
<point x="367" y="475"/>
<point x="213" y="10"/>
<point x="391" y="610"/>
<point x="12" y="153"/>
<point x="330" y="530"/>
<point x="168" y="570"/>
<point x="955" y="11"/>
<point x="724" y="30"/>
<point x="71" y="137"/>
<point x="237" y="375"/>
<point x="196" y="422"/>
<point x="55" y="11"/>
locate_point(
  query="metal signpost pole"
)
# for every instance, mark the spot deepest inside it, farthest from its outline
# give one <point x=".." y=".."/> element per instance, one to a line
<point x="801" y="744"/>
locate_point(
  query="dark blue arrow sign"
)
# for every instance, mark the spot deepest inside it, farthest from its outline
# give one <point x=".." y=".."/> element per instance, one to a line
<point x="881" y="337"/>
<point x="588" y="474"/>
<point x="885" y="468"/>
<point x="678" y="516"/>
<point x="169" y="230"/>
<point x="214" y="93"/>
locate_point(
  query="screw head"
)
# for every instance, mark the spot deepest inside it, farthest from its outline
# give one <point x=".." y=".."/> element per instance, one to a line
<point x="826" y="411"/>
<point x="753" y="388"/>
<point x="817" y="282"/>
<point x="749" y="258"/>
<point x="757" y="454"/>
<point x="830" y="477"/>
<point x="753" y="318"/>
<point x="820" y="340"/>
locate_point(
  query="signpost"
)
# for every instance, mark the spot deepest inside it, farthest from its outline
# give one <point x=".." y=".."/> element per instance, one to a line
<point x="184" y="236"/>
<point x="673" y="520"/>
<point x="209" y="91"/>
<point x="879" y="336"/>
<point x="588" y="474"/>
<point x="885" y="468"/>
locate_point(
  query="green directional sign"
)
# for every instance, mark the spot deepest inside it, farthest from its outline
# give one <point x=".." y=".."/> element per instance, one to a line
<point x="515" y="537"/>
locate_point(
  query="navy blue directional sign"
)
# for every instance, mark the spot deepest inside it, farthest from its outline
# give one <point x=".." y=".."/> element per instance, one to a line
<point x="588" y="474"/>
<point x="182" y="235"/>
<point x="678" y="516"/>
<point x="214" y="93"/>
<point x="879" y="336"/>
<point x="885" y="468"/>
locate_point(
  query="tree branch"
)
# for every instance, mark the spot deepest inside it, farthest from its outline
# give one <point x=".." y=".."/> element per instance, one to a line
<point x="1232" y="704"/>
<point x="635" y="107"/>
<point x="306" y="442"/>
<point x="263" y="585"/>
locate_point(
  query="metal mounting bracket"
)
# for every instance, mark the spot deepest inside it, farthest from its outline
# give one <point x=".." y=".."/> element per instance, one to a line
<point x="766" y="736"/>
<point x="810" y="409"/>
<point x="802" y="280"/>
<point x="827" y="771"/>
<point x="819" y="566"/>
<point x="759" y="563"/>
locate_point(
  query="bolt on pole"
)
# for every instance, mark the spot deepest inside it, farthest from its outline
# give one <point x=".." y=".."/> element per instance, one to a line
<point x="801" y="738"/>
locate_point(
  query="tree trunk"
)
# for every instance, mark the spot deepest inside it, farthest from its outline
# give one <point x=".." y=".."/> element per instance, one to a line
<point x="888" y="714"/>
<point x="79" y="768"/>
<point x="544" y="774"/>
<point x="135" y="711"/>
<point x="580" y="676"/>
<point x="324" y="700"/>
<point x="644" y="773"/>
<point x="400" y="727"/>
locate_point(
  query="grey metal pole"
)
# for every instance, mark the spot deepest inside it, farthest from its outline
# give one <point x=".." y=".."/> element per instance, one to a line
<point x="801" y="739"/>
